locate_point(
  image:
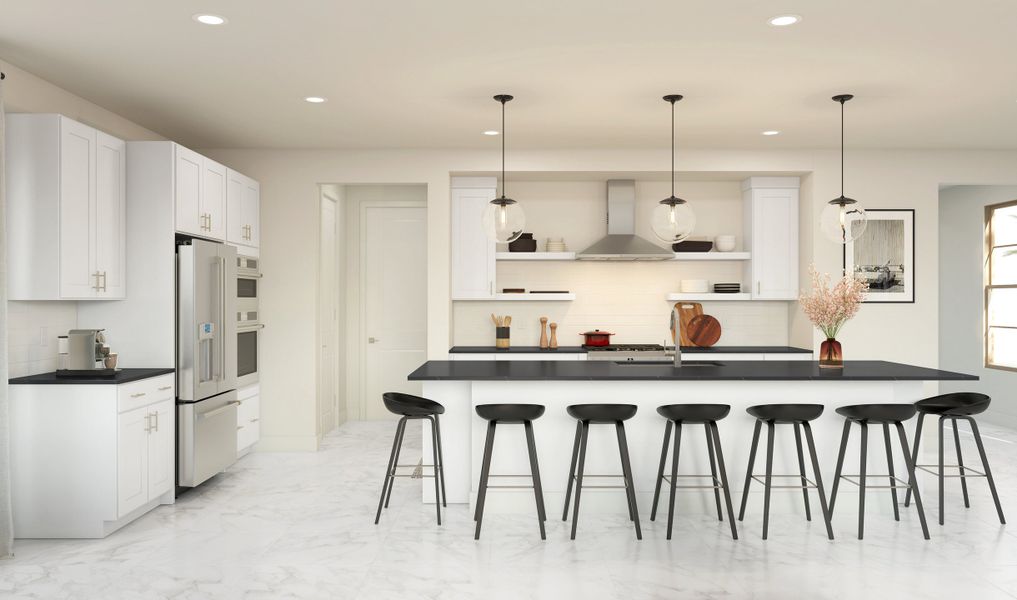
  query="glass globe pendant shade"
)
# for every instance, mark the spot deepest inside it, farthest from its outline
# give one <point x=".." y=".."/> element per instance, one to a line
<point x="843" y="221"/>
<point x="673" y="220"/>
<point x="503" y="220"/>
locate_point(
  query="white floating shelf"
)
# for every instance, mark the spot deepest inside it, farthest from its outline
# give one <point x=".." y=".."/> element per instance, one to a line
<point x="712" y="256"/>
<point x="707" y="297"/>
<point x="531" y="297"/>
<point x="535" y="255"/>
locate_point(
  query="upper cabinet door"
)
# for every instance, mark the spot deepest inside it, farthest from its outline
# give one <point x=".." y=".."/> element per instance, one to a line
<point x="242" y="209"/>
<point x="188" y="173"/>
<point x="473" y="253"/>
<point x="110" y="215"/>
<point x="774" y="242"/>
<point x="78" y="275"/>
<point x="213" y="199"/>
<point x="251" y="211"/>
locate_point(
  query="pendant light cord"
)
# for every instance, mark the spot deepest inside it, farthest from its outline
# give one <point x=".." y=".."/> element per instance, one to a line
<point x="672" y="149"/>
<point x="841" y="148"/>
<point x="503" y="149"/>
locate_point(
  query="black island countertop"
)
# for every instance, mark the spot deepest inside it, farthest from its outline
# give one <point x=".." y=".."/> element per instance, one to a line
<point x="749" y="370"/>
<point x="122" y="376"/>
<point x="581" y="350"/>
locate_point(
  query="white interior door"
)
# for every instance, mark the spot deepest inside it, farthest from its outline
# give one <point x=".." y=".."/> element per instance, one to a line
<point x="394" y="308"/>
<point x="327" y="316"/>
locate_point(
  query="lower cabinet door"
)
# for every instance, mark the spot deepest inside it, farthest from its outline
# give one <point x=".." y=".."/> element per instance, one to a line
<point x="132" y="459"/>
<point x="161" y="449"/>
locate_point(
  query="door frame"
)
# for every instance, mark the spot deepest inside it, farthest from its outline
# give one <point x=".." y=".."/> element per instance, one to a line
<point x="361" y="345"/>
<point x="325" y="196"/>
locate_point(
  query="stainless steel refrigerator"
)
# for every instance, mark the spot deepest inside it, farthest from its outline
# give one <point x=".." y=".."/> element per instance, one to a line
<point x="206" y="360"/>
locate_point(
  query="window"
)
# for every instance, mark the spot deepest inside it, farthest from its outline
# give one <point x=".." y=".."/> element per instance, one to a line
<point x="1001" y="286"/>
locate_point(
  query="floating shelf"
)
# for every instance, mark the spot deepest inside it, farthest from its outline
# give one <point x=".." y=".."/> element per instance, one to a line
<point x="707" y="297"/>
<point x="535" y="255"/>
<point x="712" y="256"/>
<point x="532" y="297"/>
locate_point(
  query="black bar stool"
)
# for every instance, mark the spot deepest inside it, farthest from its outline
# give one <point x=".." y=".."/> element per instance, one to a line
<point x="798" y="415"/>
<point x="505" y="414"/>
<point x="958" y="405"/>
<point x="413" y="408"/>
<point x="600" y="414"/>
<point x="885" y="415"/>
<point x="694" y="414"/>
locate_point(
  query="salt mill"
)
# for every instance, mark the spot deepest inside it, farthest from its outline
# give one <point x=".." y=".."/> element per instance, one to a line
<point x="543" y="333"/>
<point x="554" y="336"/>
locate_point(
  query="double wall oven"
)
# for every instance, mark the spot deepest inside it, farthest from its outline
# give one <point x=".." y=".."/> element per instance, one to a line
<point x="248" y="316"/>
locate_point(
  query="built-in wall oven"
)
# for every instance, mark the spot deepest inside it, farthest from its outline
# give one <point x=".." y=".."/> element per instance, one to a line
<point x="249" y="323"/>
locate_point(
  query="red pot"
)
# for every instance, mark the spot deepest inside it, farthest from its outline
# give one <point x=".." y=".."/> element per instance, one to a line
<point x="597" y="338"/>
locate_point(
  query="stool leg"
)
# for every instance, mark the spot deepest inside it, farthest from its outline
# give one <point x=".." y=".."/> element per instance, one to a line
<point x="572" y="470"/>
<point x="863" y="454"/>
<point x="388" y="472"/>
<point x="538" y="492"/>
<point x="485" y="473"/>
<point x="713" y="470"/>
<point x="441" y="467"/>
<point x="723" y="477"/>
<point x="630" y="487"/>
<point x="769" y="477"/>
<point x="660" y="469"/>
<point x="748" y="471"/>
<point x="840" y="465"/>
<point x="985" y="468"/>
<point x="914" y="454"/>
<point x="819" y="478"/>
<point x="942" y="476"/>
<point x="801" y="469"/>
<point x="960" y="463"/>
<point x="580" y="467"/>
<point x="395" y="460"/>
<point x="889" y="467"/>
<point x="674" y="477"/>
<point x="912" y="480"/>
<point x="437" y="480"/>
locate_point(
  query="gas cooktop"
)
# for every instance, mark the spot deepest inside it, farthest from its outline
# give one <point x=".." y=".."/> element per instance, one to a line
<point x="626" y="348"/>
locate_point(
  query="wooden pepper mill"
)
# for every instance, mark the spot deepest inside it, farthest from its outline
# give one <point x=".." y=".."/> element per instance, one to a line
<point x="543" y="333"/>
<point x="554" y="336"/>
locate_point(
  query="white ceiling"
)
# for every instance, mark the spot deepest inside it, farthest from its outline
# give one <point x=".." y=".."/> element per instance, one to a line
<point x="585" y="73"/>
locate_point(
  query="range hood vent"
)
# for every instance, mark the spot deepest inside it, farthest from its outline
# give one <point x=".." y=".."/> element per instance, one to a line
<point x="621" y="242"/>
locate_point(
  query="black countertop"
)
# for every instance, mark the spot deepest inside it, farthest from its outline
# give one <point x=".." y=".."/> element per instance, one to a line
<point x="581" y="350"/>
<point x="749" y="370"/>
<point x="123" y="376"/>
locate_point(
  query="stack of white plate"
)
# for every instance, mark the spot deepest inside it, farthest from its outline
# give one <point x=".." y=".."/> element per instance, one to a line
<point x="695" y="286"/>
<point x="556" y="245"/>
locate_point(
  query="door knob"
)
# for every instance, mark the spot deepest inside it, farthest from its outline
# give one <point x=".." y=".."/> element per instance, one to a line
<point x="372" y="340"/>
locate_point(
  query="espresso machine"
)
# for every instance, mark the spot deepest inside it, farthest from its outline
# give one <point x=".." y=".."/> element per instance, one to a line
<point x="85" y="354"/>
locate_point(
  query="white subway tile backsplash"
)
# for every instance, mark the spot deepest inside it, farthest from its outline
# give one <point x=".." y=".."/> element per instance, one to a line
<point x="33" y="328"/>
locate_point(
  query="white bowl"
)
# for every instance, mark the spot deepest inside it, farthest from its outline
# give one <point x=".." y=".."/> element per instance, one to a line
<point x="695" y="286"/>
<point x="725" y="243"/>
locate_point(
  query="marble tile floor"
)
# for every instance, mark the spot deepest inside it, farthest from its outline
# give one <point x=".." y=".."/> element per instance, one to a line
<point x="280" y="526"/>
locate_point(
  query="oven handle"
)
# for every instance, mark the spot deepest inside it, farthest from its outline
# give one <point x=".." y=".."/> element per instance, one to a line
<point x="219" y="410"/>
<point x="249" y="328"/>
<point x="248" y="275"/>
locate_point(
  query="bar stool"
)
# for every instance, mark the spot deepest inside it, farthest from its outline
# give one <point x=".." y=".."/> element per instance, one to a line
<point x="413" y="408"/>
<point x="509" y="414"/>
<point x="600" y="414"/>
<point x="885" y="415"/>
<point x="958" y="405"/>
<point x="694" y="414"/>
<point x="798" y="415"/>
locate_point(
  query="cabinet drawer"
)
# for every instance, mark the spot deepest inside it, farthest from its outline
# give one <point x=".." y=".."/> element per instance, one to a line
<point x="147" y="391"/>
<point x="249" y="410"/>
<point x="248" y="434"/>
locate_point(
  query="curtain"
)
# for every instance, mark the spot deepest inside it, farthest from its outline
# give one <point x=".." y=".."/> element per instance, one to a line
<point x="6" y="522"/>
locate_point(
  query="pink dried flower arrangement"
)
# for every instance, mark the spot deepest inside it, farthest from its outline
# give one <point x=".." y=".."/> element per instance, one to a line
<point x="830" y="307"/>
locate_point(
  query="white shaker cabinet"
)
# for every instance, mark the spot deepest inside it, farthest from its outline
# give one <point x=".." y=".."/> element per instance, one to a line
<point x="145" y="455"/>
<point x="771" y="235"/>
<point x="66" y="210"/>
<point x="248" y="418"/>
<point x="473" y="253"/>
<point x="200" y="194"/>
<point x="243" y="206"/>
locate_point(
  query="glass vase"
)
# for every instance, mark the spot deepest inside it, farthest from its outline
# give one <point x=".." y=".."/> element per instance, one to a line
<point x="830" y="355"/>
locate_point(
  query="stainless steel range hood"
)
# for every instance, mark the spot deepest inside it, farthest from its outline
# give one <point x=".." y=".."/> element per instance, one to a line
<point x="621" y="242"/>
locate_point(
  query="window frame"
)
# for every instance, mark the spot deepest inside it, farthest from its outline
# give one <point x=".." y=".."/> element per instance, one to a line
<point x="987" y="282"/>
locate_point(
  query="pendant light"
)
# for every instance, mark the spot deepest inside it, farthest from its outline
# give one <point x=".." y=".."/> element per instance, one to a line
<point x="673" y="219"/>
<point x="503" y="219"/>
<point x="843" y="220"/>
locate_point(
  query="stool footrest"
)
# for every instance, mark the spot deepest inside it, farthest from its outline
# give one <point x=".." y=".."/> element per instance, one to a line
<point x="903" y="484"/>
<point x="418" y="471"/>
<point x="808" y="485"/>
<point x="934" y="470"/>
<point x="601" y="487"/>
<point x="716" y="483"/>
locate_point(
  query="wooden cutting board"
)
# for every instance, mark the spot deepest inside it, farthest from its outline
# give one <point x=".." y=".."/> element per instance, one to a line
<point x="686" y="312"/>
<point x="704" y="330"/>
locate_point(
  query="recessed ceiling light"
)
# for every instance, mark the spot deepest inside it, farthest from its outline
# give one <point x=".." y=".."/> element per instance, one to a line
<point x="771" y="132"/>
<point x="491" y="132"/>
<point x="209" y="19"/>
<point x="784" y="20"/>
<point x="315" y="99"/>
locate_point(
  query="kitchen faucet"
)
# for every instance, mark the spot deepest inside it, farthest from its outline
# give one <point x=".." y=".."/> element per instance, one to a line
<point x="676" y="328"/>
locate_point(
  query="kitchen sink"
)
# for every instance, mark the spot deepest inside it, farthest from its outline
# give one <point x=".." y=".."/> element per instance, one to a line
<point x="665" y="363"/>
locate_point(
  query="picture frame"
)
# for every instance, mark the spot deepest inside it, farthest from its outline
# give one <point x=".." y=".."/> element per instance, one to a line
<point x="884" y="256"/>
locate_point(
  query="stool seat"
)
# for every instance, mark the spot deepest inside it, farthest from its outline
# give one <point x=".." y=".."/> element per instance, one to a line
<point x="694" y="413"/>
<point x="602" y="413"/>
<point x="878" y="413"/>
<point x="510" y="413"/>
<point x="960" y="404"/>
<point x="786" y="413"/>
<point x="411" y="406"/>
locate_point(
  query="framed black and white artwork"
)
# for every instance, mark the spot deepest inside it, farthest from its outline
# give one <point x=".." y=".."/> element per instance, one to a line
<point x="884" y="255"/>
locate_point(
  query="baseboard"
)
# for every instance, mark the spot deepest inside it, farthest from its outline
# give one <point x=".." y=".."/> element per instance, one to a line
<point x="287" y="443"/>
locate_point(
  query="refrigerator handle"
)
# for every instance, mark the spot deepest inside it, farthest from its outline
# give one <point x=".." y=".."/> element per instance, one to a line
<point x="222" y="318"/>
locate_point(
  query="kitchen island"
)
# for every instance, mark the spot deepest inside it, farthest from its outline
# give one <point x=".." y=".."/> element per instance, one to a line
<point x="462" y="385"/>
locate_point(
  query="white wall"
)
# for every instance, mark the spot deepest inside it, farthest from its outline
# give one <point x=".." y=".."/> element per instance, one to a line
<point x="961" y="295"/>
